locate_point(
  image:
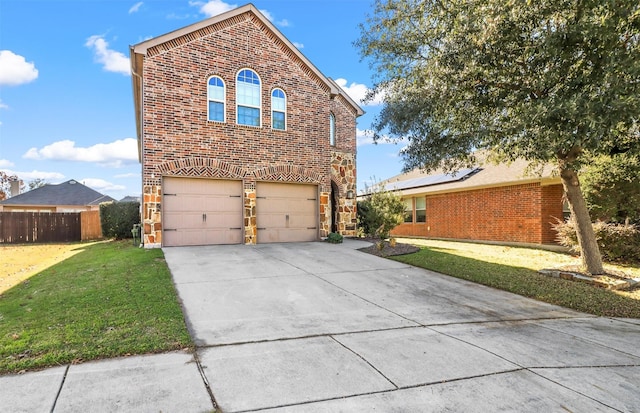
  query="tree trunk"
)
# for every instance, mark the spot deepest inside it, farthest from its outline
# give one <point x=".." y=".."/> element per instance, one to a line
<point x="590" y="253"/>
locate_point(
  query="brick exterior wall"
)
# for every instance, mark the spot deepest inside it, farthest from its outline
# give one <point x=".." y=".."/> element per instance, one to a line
<point x="179" y="140"/>
<point x="518" y="213"/>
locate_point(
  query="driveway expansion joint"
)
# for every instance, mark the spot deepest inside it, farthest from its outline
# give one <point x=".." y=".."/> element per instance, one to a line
<point x="64" y="378"/>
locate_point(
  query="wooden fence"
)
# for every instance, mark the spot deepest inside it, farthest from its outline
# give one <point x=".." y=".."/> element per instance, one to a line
<point x="41" y="227"/>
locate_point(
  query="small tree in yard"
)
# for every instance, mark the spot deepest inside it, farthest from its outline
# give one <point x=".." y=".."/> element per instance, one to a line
<point x="381" y="212"/>
<point x="544" y="81"/>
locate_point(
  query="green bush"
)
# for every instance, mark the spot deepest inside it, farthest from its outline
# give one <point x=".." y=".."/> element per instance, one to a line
<point x="118" y="218"/>
<point x="334" y="238"/>
<point x="617" y="242"/>
<point x="380" y="212"/>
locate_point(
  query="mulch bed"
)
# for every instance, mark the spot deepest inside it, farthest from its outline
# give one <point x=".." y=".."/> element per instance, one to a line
<point x="387" y="250"/>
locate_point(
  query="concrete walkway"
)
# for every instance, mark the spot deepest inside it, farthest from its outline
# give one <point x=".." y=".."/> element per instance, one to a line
<point x="316" y="327"/>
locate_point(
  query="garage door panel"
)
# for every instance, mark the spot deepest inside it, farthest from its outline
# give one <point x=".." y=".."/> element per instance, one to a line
<point x="202" y="211"/>
<point x="286" y="212"/>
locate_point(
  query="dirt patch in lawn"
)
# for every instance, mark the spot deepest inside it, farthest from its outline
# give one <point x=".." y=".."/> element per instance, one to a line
<point x="19" y="262"/>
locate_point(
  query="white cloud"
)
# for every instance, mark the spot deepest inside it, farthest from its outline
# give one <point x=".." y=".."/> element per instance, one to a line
<point x="30" y="176"/>
<point x="111" y="60"/>
<point x="15" y="70"/>
<point x="113" y="154"/>
<point x="5" y="163"/>
<point x="358" y="92"/>
<point x="364" y="137"/>
<point x="135" y="7"/>
<point x="129" y="175"/>
<point x="101" y="185"/>
<point x="298" y="45"/>
<point x="3" y="106"/>
<point x="213" y="7"/>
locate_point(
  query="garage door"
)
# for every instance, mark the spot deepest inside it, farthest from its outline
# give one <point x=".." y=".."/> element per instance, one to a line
<point x="201" y="211"/>
<point x="286" y="212"/>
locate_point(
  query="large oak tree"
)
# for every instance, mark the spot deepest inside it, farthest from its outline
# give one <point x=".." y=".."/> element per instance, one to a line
<point x="542" y="80"/>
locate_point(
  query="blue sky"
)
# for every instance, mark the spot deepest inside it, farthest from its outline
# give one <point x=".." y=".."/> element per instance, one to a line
<point x="66" y="106"/>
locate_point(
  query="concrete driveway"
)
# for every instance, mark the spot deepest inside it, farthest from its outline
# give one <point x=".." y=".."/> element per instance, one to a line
<point x="316" y="327"/>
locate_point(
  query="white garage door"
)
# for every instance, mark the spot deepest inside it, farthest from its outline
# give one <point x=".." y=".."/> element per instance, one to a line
<point x="286" y="212"/>
<point x="201" y="211"/>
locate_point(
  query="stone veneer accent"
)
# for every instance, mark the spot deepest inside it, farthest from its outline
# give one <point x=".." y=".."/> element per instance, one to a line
<point x="343" y="174"/>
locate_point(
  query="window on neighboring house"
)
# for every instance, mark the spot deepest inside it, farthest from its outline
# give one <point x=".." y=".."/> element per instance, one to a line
<point x="421" y="209"/>
<point x="278" y="109"/>
<point x="215" y="95"/>
<point x="248" y="98"/>
<point x="332" y="129"/>
<point x="408" y="210"/>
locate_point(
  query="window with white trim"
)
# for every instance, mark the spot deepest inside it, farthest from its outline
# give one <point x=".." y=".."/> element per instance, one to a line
<point x="408" y="209"/>
<point x="248" y="98"/>
<point x="278" y="109"/>
<point x="332" y="129"/>
<point x="421" y="209"/>
<point x="216" y="98"/>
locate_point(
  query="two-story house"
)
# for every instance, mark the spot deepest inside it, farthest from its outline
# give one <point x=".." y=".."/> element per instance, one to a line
<point x="241" y="138"/>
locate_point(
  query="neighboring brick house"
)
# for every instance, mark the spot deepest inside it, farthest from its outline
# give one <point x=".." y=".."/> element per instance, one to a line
<point x="498" y="203"/>
<point x="241" y="138"/>
<point x="69" y="196"/>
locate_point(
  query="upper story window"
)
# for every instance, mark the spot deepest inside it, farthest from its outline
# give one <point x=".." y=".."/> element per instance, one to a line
<point x="248" y="98"/>
<point x="332" y="129"/>
<point x="278" y="109"/>
<point x="216" y="98"/>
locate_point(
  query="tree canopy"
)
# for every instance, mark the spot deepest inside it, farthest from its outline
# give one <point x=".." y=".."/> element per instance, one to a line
<point x="540" y="80"/>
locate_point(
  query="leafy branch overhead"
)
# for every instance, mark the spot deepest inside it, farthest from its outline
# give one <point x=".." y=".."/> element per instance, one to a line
<point x="543" y="81"/>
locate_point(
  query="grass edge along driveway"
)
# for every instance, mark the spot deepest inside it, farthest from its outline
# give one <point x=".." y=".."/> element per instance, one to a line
<point x="110" y="299"/>
<point x="514" y="269"/>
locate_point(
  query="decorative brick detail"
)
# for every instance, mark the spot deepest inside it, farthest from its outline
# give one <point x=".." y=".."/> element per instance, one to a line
<point x="204" y="167"/>
<point x="288" y="173"/>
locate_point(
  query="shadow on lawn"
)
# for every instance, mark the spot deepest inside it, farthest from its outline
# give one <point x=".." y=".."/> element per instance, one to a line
<point x="526" y="282"/>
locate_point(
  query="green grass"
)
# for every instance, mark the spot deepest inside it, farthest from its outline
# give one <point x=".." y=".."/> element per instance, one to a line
<point x="515" y="270"/>
<point x="111" y="299"/>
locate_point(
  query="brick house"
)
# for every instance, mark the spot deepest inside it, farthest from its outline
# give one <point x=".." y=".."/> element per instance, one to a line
<point x="241" y="138"/>
<point x="495" y="203"/>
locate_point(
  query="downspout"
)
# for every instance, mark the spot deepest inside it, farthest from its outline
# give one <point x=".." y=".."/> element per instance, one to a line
<point x="137" y="100"/>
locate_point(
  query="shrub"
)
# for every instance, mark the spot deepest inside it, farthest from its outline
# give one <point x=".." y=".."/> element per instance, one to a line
<point x="617" y="242"/>
<point x="381" y="212"/>
<point x="334" y="238"/>
<point x="118" y="218"/>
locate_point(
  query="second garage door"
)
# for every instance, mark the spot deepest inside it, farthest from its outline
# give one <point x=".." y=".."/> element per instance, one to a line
<point x="201" y="211"/>
<point x="286" y="212"/>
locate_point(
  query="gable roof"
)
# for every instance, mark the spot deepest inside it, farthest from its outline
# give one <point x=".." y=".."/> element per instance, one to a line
<point x="139" y="51"/>
<point x="485" y="175"/>
<point x="71" y="192"/>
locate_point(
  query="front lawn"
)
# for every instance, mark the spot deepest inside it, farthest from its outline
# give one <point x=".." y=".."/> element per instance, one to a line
<point x="110" y="299"/>
<point x="515" y="270"/>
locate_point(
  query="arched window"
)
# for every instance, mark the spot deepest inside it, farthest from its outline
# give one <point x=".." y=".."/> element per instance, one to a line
<point x="332" y="129"/>
<point x="216" y="97"/>
<point x="278" y="109"/>
<point x="248" y="98"/>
